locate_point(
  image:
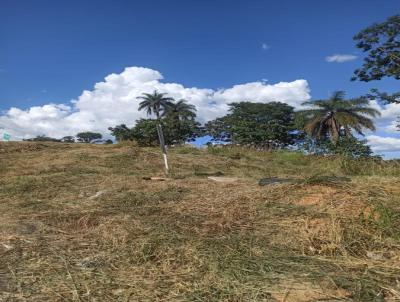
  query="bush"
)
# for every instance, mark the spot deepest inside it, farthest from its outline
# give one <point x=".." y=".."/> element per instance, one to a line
<point x="42" y="138"/>
<point x="145" y="131"/>
<point x="370" y="166"/>
<point x="349" y="147"/>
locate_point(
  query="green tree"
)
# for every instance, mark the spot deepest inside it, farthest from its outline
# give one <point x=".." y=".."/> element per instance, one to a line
<point x="349" y="147"/>
<point x="337" y="117"/>
<point x="87" y="137"/>
<point x="179" y="118"/>
<point x="121" y="133"/>
<point x="267" y="125"/>
<point x="180" y="110"/>
<point x="156" y="103"/>
<point x="145" y="132"/>
<point x="383" y="96"/>
<point x="381" y="43"/>
<point x="68" y="139"/>
<point x="42" y="138"/>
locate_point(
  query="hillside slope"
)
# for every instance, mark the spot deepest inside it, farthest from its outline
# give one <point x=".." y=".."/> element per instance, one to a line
<point x="79" y="223"/>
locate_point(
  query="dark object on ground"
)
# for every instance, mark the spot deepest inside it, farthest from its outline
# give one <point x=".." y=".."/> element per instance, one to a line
<point x="274" y="180"/>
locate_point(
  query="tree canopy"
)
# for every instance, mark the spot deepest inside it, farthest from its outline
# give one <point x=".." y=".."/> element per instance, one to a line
<point x="87" y="137"/>
<point x="155" y="103"/>
<point x="259" y="124"/>
<point x="381" y="43"/>
<point x="337" y="117"/>
<point x="121" y="132"/>
<point x="145" y="131"/>
<point x="349" y="147"/>
<point x="42" y="138"/>
<point x="180" y="110"/>
<point x="177" y="121"/>
<point x="68" y="139"/>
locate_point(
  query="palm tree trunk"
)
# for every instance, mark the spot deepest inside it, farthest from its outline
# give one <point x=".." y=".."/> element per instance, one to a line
<point x="335" y="131"/>
<point x="178" y="128"/>
<point x="347" y="131"/>
<point x="162" y="144"/>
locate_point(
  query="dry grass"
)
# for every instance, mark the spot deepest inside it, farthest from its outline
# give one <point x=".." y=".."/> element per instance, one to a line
<point x="79" y="223"/>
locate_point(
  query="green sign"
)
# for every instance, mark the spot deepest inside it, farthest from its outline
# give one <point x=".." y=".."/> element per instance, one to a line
<point x="6" y="136"/>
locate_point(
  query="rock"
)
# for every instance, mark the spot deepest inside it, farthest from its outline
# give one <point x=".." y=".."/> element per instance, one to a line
<point x="223" y="179"/>
<point x="98" y="194"/>
<point x="155" y="178"/>
<point x="376" y="255"/>
<point x="273" y="180"/>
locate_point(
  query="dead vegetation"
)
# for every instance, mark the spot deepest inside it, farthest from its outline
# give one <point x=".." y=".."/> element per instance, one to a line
<point x="79" y="223"/>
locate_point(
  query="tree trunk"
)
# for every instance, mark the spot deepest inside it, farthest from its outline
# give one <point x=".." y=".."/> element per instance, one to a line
<point x="347" y="131"/>
<point x="162" y="145"/>
<point x="335" y="130"/>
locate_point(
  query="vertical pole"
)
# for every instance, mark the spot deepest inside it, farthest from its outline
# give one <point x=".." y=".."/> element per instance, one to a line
<point x="163" y="148"/>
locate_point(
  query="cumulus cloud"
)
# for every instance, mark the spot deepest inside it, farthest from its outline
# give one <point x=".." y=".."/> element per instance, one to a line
<point x="387" y="121"/>
<point x="340" y="58"/>
<point x="113" y="101"/>
<point x="383" y="144"/>
<point x="386" y="125"/>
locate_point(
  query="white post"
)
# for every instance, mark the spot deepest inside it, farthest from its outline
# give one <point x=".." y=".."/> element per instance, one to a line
<point x="163" y="148"/>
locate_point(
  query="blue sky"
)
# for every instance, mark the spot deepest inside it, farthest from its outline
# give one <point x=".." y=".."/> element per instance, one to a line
<point x="51" y="51"/>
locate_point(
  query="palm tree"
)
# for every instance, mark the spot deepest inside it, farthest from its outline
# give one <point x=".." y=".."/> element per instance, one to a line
<point x="179" y="114"/>
<point x="157" y="103"/>
<point x="180" y="110"/>
<point x="337" y="117"/>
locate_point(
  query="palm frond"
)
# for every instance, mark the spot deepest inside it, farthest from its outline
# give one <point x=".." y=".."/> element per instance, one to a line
<point x="338" y="95"/>
<point x="329" y="116"/>
<point x="366" y="111"/>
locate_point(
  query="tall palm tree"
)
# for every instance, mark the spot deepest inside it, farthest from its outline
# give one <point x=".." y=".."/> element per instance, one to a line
<point x="179" y="114"/>
<point x="337" y="117"/>
<point x="180" y="110"/>
<point x="157" y="103"/>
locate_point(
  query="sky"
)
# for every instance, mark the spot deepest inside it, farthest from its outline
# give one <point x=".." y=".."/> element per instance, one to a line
<point x="70" y="66"/>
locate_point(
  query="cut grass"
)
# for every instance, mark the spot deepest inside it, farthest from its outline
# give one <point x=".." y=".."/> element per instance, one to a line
<point x="79" y="223"/>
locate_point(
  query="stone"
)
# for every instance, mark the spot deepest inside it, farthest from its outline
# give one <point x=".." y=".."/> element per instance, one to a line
<point x="273" y="180"/>
<point x="223" y="179"/>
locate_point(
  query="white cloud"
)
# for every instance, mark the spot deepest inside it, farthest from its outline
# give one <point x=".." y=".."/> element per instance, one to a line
<point x="340" y="58"/>
<point x="386" y="125"/>
<point x="113" y="102"/>
<point x="293" y="93"/>
<point x="387" y="121"/>
<point x="383" y="144"/>
<point x="265" y="46"/>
